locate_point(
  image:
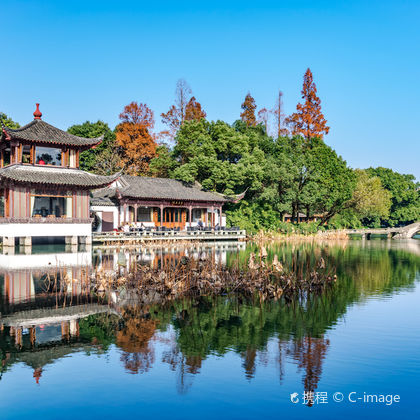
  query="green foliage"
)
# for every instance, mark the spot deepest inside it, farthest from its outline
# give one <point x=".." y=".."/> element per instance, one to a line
<point x="100" y="328"/>
<point x="286" y="175"/>
<point x="253" y="216"/>
<point x="346" y="219"/>
<point x="370" y="199"/>
<point x="314" y="178"/>
<point x="370" y="202"/>
<point x="8" y="122"/>
<point x="220" y="157"/>
<point x="104" y="159"/>
<point x="164" y="164"/>
<point x="405" y="196"/>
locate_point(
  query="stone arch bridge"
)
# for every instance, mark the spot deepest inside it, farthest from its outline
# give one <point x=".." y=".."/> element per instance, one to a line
<point x="404" y="232"/>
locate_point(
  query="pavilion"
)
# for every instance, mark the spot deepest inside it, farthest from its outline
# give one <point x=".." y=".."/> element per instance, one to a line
<point x="156" y="202"/>
<point x="43" y="193"/>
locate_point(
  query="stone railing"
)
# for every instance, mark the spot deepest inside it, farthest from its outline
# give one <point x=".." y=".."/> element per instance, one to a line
<point x="52" y="220"/>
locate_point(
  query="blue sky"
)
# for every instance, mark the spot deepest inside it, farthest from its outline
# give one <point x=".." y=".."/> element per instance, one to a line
<point x="85" y="60"/>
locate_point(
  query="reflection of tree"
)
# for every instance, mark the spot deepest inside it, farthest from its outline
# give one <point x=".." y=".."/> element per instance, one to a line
<point x="218" y="325"/>
<point x="184" y="366"/>
<point x="215" y="326"/>
<point x="138" y="355"/>
<point x="309" y="353"/>
<point x="248" y="364"/>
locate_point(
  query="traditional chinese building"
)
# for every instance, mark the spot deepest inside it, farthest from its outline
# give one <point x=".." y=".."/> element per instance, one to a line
<point x="43" y="193"/>
<point x="155" y="202"/>
<point x="301" y="218"/>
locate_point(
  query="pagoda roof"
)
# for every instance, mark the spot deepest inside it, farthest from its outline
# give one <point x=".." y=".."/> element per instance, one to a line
<point x="39" y="131"/>
<point x="50" y="175"/>
<point x="163" y="189"/>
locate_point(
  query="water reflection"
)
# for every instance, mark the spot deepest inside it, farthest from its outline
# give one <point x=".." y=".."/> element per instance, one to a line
<point x="124" y="259"/>
<point x="48" y="311"/>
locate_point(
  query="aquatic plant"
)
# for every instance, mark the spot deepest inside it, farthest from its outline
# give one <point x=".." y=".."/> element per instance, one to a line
<point x="192" y="277"/>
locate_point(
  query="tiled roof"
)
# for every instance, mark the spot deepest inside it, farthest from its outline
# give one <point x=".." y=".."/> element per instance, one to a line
<point x="41" y="132"/>
<point x="155" y="189"/>
<point x="54" y="176"/>
<point x="164" y="188"/>
<point x="103" y="200"/>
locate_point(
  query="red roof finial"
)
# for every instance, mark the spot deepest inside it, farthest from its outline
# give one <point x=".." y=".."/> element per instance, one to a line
<point x="37" y="374"/>
<point x="37" y="113"/>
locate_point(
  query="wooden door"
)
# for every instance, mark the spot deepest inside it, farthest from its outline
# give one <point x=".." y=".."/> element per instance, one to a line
<point x="107" y="221"/>
<point x="174" y="218"/>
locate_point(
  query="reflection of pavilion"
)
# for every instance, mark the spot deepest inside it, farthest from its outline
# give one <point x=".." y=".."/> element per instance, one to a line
<point x="114" y="259"/>
<point x="26" y="277"/>
<point x="43" y="298"/>
<point x="40" y="336"/>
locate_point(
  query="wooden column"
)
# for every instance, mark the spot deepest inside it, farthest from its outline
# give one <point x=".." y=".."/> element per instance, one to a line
<point x="190" y="214"/>
<point x="135" y="213"/>
<point x="212" y="216"/>
<point x="161" y="215"/>
<point x="18" y="336"/>
<point x="32" y="335"/>
<point x="65" y="330"/>
<point x="125" y="212"/>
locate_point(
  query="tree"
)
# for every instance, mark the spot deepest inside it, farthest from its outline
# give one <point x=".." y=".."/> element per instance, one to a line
<point x="279" y="116"/>
<point x="8" y="122"/>
<point x="163" y="164"/>
<point x="134" y="136"/>
<point x="218" y="156"/>
<point x="174" y="118"/>
<point x="314" y="179"/>
<point x="370" y="199"/>
<point x="248" y="113"/>
<point x="369" y="203"/>
<point x="103" y="159"/>
<point x="308" y="121"/>
<point x="193" y="110"/>
<point x="263" y="115"/>
<point x="405" y="196"/>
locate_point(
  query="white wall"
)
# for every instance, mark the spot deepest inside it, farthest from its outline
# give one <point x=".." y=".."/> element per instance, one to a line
<point x="120" y="209"/>
<point x="99" y="209"/>
<point x="18" y="230"/>
<point x="18" y="262"/>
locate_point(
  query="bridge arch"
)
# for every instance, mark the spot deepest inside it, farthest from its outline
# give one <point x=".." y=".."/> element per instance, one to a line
<point x="407" y="232"/>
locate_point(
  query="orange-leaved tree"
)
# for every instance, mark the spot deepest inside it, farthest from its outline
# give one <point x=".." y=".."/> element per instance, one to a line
<point x="248" y="113"/>
<point x="308" y="121"/>
<point x="135" y="138"/>
<point x="194" y="111"/>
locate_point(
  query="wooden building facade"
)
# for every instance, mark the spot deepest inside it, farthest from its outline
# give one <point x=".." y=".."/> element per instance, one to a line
<point x="42" y="190"/>
<point x="156" y="202"/>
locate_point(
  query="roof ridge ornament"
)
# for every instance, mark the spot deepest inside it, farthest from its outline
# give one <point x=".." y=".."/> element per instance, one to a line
<point x="37" y="113"/>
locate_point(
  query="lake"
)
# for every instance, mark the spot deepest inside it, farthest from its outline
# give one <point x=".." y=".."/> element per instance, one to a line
<point x="353" y="351"/>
